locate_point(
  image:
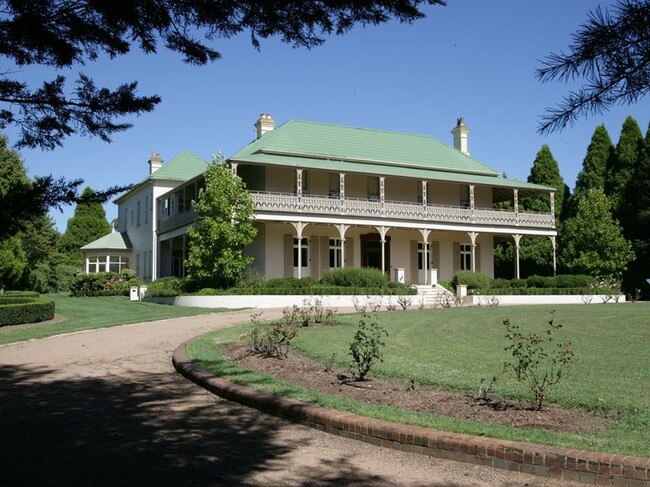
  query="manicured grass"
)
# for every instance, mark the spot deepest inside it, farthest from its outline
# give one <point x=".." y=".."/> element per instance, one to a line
<point x="75" y="314"/>
<point x="455" y="348"/>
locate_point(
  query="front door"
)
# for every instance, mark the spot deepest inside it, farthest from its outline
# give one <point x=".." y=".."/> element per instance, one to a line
<point x="371" y="251"/>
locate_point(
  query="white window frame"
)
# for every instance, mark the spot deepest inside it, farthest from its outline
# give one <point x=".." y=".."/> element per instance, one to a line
<point x="465" y="257"/>
<point x="334" y="253"/>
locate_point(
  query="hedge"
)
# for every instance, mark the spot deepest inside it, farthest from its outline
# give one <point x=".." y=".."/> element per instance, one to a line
<point x="30" y="310"/>
<point x="535" y="291"/>
<point x="104" y="284"/>
<point x="308" y="291"/>
<point x="21" y="294"/>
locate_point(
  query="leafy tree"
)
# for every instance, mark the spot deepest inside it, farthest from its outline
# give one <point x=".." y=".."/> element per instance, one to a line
<point x="64" y="34"/>
<point x="12" y="261"/>
<point x="593" y="243"/>
<point x="621" y="171"/>
<point x="611" y="55"/>
<point x="595" y="163"/>
<point x="223" y="227"/>
<point x="87" y="224"/>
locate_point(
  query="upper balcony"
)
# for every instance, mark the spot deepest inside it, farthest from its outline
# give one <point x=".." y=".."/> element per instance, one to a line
<point x="397" y="210"/>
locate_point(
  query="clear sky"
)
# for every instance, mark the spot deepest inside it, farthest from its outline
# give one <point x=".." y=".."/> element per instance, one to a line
<point x="473" y="58"/>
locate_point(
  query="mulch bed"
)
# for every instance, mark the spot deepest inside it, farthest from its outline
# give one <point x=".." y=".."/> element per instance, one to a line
<point x="312" y="375"/>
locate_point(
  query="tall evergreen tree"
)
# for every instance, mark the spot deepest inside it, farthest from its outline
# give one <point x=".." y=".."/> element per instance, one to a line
<point x="546" y="171"/>
<point x="594" y="165"/>
<point x="87" y="224"/>
<point x="620" y="172"/>
<point x="640" y="231"/>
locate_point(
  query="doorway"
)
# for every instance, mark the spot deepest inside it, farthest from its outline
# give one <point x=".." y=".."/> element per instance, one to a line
<point x="371" y="251"/>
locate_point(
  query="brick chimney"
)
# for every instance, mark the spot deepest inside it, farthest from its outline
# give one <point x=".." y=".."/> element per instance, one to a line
<point x="460" y="132"/>
<point x="155" y="162"/>
<point x="264" y="124"/>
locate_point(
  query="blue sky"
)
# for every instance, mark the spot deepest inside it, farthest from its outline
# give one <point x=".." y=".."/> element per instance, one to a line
<point x="472" y="58"/>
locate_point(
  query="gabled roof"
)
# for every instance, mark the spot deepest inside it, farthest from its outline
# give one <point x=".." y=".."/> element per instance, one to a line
<point x="331" y="147"/>
<point x="184" y="166"/>
<point x="112" y="241"/>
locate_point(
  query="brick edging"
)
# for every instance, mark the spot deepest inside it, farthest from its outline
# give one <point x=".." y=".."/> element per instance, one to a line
<point x="546" y="461"/>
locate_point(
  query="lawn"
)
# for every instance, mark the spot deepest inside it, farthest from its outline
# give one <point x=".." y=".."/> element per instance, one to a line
<point x="75" y="314"/>
<point x="456" y="348"/>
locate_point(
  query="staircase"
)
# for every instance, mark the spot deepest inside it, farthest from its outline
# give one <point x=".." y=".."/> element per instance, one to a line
<point x="434" y="296"/>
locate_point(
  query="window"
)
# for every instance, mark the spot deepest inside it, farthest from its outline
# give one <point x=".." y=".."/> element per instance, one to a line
<point x="334" y="185"/>
<point x="138" y="213"/>
<point x="95" y="265"/>
<point x="304" y="251"/>
<point x="373" y="188"/>
<point x="146" y="209"/>
<point x="164" y="208"/>
<point x="464" y="196"/>
<point x="335" y="253"/>
<point x="421" y="257"/>
<point x="465" y="257"/>
<point x="117" y="263"/>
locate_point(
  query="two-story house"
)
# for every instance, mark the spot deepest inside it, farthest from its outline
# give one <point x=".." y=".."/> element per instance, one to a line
<point x="329" y="196"/>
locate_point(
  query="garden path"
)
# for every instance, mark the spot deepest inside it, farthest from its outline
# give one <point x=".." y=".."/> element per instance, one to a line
<point x="105" y="407"/>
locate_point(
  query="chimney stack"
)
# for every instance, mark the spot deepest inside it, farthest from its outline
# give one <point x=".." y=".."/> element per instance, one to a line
<point x="264" y="124"/>
<point x="155" y="162"/>
<point x="460" y="132"/>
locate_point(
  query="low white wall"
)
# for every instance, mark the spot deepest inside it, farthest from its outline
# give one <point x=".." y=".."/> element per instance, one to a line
<point x="539" y="299"/>
<point x="273" y="301"/>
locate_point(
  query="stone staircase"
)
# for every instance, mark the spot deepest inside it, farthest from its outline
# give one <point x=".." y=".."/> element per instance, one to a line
<point x="434" y="296"/>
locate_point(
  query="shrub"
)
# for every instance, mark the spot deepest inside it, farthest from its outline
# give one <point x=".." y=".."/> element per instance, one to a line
<point x="19" y="294"/>
<point x="251" y="278"/>
<point x="446" y="284"/>
<point x="575" y="281"/>
<point x="18" y="310"/>
<point x="538" y="361"/>
<point x="541" y="281"/>
<point x="473" y="280"/>
<point x="367" y="346"/>
<point x="539" y="291"/>
<point x="518" y="283"/>
<point x="103" y="284"/>
<point x="291" y="283"/>
<point x="270" y="339"/>
<point x="500" y="283"/>
<point x="165" y="286"/>
<point x="355" y="277"/>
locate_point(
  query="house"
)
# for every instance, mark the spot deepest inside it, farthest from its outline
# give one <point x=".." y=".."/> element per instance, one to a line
<point x="328" y="196"/>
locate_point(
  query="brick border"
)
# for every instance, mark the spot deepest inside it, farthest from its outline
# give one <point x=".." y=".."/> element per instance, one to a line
<point x="546" y="461"/>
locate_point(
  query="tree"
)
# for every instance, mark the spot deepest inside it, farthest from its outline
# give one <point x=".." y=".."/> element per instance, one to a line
<point x="546" y="171"/>
<point x="87" y="224"/>
<point x="595" y="163"/>
<point x="610" y="53"/>
<point x="223" y="227"/>
<point x="64" y="34"/>
<point x="12" y="261"/>
<point x="621" y="171"/>
<point x="593" y="242"/>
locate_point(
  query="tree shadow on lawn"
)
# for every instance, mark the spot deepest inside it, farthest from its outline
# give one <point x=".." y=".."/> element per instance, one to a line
<point x="150" y="430"/>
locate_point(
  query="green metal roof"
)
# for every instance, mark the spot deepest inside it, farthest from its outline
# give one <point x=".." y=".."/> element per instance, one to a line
<point x="112" y="241"/>
<point x="347" y="149"/>
<point x="184" y="166"/>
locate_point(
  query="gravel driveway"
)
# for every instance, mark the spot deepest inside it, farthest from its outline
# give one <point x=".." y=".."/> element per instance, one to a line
<point x="106" y="407"/>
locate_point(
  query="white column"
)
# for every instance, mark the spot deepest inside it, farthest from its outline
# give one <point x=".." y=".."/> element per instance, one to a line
<point x="553" y="244"/>
<point x="382" y="234"/>
<point x="154" y="232"/>
<point x="517" y="239"/>
<point x="87" y="260"/>
<point x="425" y="253"/>
<point x="342" y="190"/>
<point x="552" y="203"/>
<point x="233" y="168"/>
<point x="342" y="229"/>
<point x="471" y="196"/>
<point x="108" y="259"/>
<point x="299" y="182"/>
<point x="382" y="193"/>
<point x="472" y="236"/>
<point x="299" y="226"/>
<point x="424" y="193"/>
<point x="516" y="199"/>
<point x="184" y="254"/>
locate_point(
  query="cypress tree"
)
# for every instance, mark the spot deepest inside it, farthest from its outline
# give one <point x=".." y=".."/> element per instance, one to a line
<point x="546" y="171"/>
<point x="620" y="173"/>
<point x="87" y="224"/>
<point x="594" y="165"/>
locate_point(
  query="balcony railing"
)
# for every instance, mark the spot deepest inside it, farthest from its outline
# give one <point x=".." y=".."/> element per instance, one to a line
<point x="324" y="205"/>
<point x="169" y="223"/>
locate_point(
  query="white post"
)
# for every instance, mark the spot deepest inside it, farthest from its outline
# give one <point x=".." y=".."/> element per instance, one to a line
<point x="87" y="264"/>
<point x="472" y="236"/>
<point x="553" y="243"/>
<point x="299" y="182"/>
<point x="184" y="254"/>
<point x="108" y="259"/>
<point x="233" y="168"/>
<point x="382" y="234"/>
<point x="382" y="193"/>
<point x="517" y="239"/>
<point x="552" y="203"/>
<point x="299" y="227"/>
<point x="516" y="199"/>
<point x="342" y="229"/>
<point x="425" y="253"/>
<point x="471" y="196"/>
<point x="342" y="190"/>
<point x="424" y="193"/>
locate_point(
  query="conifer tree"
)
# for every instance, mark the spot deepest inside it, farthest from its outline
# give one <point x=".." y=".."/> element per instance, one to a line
<point x="620" y="172"/>
<point x="87" y="224"/>
<point x="546" y="171"/>
<point x="594" y="165"/>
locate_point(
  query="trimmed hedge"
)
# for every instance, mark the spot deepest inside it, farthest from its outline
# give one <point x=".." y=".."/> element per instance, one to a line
<point x="104" y="284"/>
<point x="534" y="291"/>
<point x="473" y="280"/>
<point x="15" y="311"/>
<point x="21" y="294"/>
<point x="310" y="291"/>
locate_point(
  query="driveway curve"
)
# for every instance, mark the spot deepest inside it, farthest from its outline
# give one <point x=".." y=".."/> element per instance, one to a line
<point x="105" y="407"/>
